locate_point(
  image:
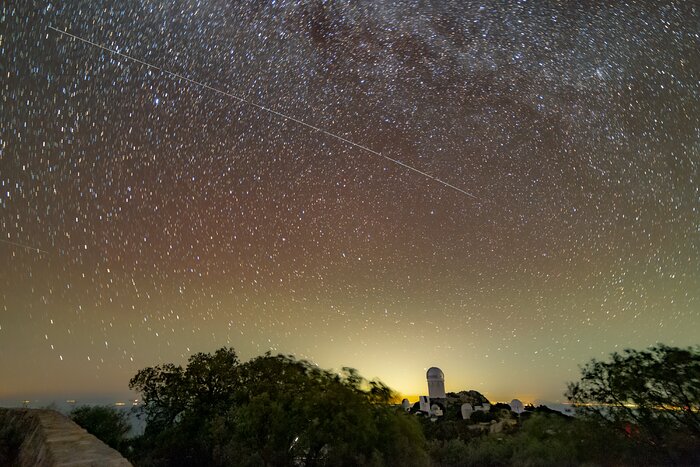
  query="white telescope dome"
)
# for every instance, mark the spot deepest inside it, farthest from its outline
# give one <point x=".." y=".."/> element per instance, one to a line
<point x="435" y="373"/>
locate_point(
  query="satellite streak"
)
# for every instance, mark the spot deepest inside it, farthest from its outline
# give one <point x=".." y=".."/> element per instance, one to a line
<point x="261" y="107"/>
<point x="26" y="247"/>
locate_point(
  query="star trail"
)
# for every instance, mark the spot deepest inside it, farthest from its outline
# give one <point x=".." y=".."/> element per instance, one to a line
<point x="181" y="176"/>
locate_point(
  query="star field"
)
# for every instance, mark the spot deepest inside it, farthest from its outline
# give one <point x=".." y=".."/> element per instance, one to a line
<point x="144" y="218"/>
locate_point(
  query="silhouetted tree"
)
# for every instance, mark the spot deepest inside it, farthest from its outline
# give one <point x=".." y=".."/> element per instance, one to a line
<point x="272" y="410"/>
<point x="289" y="412"/>
<point x="168" y="391"/>
<point x="651" y="396"/>
<point x="180" y="404"/>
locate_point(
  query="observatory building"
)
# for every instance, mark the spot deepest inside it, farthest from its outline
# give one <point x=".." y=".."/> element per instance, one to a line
<point x="436" y="383"/>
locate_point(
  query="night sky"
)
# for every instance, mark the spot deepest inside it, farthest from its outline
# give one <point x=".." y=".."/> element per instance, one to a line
<point x="144" y="218"/>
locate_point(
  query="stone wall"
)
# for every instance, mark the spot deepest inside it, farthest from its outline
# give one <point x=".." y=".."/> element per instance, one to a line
<point x="47" y="438"/>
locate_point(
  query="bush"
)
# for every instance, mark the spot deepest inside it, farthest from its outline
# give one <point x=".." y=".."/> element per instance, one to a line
<point x="105" y="423"/>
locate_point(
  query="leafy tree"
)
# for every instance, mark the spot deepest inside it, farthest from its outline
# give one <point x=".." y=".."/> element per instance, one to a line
<point x="290" y="412"/>
<point x="162" y="392"/>
<point x="179" y="405"/>
<point x="652" y="397"/>
<point x="168" y="391"/>
<point x="212" y="379"/>
<point x="106" y="423"/>
<point x="272" y="410"/>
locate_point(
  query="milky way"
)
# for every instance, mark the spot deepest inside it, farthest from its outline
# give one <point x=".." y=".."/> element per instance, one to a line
<point x="145" y="217"/>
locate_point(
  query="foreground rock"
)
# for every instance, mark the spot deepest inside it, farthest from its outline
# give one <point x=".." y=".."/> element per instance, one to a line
<point x="46" y="438"/>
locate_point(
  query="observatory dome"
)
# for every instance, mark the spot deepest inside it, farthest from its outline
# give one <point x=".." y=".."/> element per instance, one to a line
<point x="435" y="373"/>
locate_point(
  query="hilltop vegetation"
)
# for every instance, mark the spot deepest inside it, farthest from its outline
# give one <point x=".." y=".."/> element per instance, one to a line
<point x="272" y="410"/>
<point x="640" y="407"/>
<point x="651" y="398"/>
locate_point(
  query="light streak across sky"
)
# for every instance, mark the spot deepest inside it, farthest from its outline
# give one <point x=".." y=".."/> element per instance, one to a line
<point x="263" y="108"/>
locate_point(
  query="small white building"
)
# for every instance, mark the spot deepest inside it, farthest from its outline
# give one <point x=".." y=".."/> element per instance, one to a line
<point x="467" y="411"/>
<point x="424" y="404"/>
